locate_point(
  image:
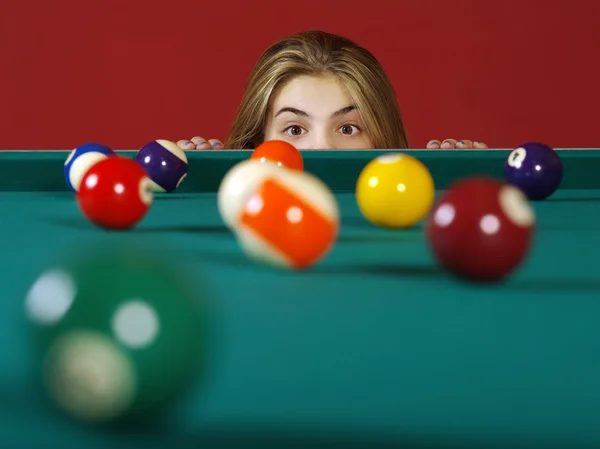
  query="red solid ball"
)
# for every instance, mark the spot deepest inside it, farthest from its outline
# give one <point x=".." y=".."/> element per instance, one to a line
<point x="481" y="229"/>
<point x="115" y="193"/>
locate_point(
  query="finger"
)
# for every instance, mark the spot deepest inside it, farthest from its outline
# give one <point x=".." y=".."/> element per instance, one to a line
<point x="201" y="143"/>
<point x="464" y="144"/>
<point x="448" y="144"/>
<point x="215" y="144"/>
<point x="186" y="145"/>
<point x="433" y="144"/>
<point x="479" y="145"/>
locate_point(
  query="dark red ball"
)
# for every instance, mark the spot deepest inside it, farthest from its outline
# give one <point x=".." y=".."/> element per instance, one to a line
<point x="116" y="193"/>
<point x="481" y="229"/>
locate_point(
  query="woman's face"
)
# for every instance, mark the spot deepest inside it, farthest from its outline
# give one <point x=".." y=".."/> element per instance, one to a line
<point x="316" y="113"/>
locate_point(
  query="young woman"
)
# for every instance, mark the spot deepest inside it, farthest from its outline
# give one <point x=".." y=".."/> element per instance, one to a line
<point x="318" y="91"/>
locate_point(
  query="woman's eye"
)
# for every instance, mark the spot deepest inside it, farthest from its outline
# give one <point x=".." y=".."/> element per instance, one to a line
<point x="349" y="129"/>
<point x="294" y="130"/>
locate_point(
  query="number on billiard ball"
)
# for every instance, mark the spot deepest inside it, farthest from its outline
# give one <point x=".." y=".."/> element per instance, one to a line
<point x="516" y="157"/>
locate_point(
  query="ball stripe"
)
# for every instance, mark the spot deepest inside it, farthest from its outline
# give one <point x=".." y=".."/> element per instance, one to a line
<point x="272" y="207"/>
<point x="173" y="149"/>
<point x="311" y="190"/>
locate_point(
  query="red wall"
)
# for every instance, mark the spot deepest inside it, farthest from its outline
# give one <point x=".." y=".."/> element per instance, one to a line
<point x="125" y="72"/>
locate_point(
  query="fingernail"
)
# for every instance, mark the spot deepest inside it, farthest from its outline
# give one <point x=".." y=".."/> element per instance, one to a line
<point x="215" y="144"/>
<point x="461" y="141"/>
<point x="435" y="142"/>
<point x="201" y="143"/>
<point x="187" y="142"/>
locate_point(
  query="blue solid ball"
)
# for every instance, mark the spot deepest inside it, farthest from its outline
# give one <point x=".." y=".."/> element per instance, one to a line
<point x="535" y="168"/>
<point x="165" y="163"/>
<point x="81" y="159"/>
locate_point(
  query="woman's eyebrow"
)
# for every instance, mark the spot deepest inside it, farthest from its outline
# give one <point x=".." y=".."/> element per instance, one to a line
<point x="293" y="111"/>
<point x="301" y="113"/>
<point x="343" y="111"/>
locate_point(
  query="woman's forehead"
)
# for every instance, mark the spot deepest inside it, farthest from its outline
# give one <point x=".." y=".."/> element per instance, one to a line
<point x="314" y="95"/>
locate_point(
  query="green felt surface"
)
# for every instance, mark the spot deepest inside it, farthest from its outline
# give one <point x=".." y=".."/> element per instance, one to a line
<point x="375" y="347"/>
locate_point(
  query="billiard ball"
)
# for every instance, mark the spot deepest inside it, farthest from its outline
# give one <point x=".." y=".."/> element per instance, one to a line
<point x="165" y="163"/>
<point x="535" y="168"/>
<point x="237" y="185"/>
<point x="117" y="335"/>
<point x="481" y="229"/>
<point x="115" y="193"/>
<point x="395" y="191"/>
<point x="280" y="152"/>
<point x="81" y="159"/>
<point x="290" y="221"/>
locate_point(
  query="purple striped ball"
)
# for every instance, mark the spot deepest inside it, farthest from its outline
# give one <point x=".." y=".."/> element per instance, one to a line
<point x="165" y="163"/>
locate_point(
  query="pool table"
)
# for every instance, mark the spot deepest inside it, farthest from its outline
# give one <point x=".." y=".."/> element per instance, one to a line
<point x="374" y="347"/>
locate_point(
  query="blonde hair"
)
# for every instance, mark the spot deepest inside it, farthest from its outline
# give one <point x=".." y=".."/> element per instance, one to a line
<point x="317" y="53"/>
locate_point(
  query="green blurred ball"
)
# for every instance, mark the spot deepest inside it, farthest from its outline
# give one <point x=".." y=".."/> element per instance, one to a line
<point x="121" y="333"/>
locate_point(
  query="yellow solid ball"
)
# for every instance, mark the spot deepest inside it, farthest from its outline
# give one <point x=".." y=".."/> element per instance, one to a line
<point x="395" y="191"/>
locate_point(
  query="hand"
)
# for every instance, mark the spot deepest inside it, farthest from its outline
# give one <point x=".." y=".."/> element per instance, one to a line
<point x="453" y="144"/>
<point x="199" y="143"/>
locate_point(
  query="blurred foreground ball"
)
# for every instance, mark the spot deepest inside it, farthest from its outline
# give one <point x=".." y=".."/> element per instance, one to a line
<point x="121" y="334"/>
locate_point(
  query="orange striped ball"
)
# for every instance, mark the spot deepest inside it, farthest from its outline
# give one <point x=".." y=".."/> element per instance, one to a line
<point x="290" y="220"/>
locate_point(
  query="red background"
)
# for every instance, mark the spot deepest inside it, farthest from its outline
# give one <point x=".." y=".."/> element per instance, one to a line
<point x="124" y="72"/>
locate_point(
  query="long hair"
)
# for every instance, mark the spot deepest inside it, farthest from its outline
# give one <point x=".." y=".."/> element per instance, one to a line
<point x="316" y="53"/>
